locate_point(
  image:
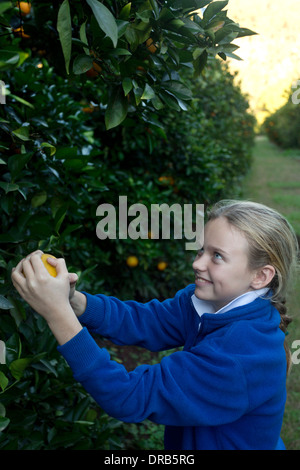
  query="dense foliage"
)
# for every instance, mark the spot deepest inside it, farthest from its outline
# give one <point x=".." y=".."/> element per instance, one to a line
<point x="283" y="126"/>
<point x="132" y="48"/>
<point x="58" y="164"/>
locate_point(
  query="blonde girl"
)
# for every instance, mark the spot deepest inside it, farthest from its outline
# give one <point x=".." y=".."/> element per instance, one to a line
<point x="271" y="240"/>
<point x="226" y="388"/>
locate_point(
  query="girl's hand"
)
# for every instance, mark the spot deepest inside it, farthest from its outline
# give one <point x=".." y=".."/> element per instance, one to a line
<point x="77" y="299"/>
<point x="73" y="278"/>
<point x="47" y="295"/>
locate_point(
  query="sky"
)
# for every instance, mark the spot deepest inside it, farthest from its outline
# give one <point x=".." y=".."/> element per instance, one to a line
<point x="271" y="59"/>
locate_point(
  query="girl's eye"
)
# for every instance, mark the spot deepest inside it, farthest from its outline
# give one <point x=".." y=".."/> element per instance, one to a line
<point x="200" y="252"/>
<point x="218" y="256"/>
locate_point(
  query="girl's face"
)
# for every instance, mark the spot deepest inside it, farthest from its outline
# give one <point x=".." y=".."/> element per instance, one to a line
<point x="221" y="266"/>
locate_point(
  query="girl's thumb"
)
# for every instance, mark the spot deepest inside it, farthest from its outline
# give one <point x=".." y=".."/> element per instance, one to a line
<point x="73" y="278"/>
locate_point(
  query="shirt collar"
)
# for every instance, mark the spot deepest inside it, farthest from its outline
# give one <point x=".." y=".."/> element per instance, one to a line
<point x="206" y="306"/>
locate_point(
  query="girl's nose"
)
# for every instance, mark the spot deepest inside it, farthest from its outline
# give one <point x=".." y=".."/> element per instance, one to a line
<point x="200" y="263"/>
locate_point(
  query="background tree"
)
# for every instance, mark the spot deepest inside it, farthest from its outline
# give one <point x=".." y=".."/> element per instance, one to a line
<point x="94" y="110"/>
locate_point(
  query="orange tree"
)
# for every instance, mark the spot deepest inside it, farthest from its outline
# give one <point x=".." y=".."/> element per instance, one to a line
<point x="282" y="127"/>
<point x="135" y="50"/>
<point x="100" y="100"/>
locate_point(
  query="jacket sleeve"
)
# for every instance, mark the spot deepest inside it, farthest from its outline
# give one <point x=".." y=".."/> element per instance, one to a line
<point x="188" y="388"/>
<point x="153" y="325"/>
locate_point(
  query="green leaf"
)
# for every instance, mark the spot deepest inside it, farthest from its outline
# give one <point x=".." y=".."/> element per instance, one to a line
<point x="155" y="8"/>
<point x="157" y="103"/>
<point x="5" y="304"/>
<point x="233" y="56"/>
<point x="127" y="85"/>
<point x="117" y="108"/>
<point x="228" y="48"/>
<point x="83" y="37"/>
<point x="5" y="6"/>
<point x="82" y="64"/>
<point x="178" y="89"/>
<point x="50" y="149"/>
<point x="8" y="187"/>
<point x="59" y="217"/>
<point x="13" y="348"/>
<point x="213" y="9"/>
<point x="9" y="57"/>
<point x="4" y="422"/>
<point x="16" y="163"/>
<point x="22" y="133"/>
<point x="170" y="101"/>
<point x="120" y="51"/>
<point x="18" y="367"/>
<point x="39" y="199"/>
<point x="125" y="12"/>
<point x="105" y="20"/>
<point x="64" y="28"/>
<point x="246" y="32"/>
<point x="200" y="63"/>
<point x="18" y="312"/>
<point x="148" y="93"/>
<point x="22" y="101"/>
<point x="3" y="381"/>
<point x="198" y="51"/>
<point x="2" y="410"/>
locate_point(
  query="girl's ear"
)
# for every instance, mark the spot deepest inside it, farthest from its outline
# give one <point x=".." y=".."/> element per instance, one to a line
<point x="263" y="277"/>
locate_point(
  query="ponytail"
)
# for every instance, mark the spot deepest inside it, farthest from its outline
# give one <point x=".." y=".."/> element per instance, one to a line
<point x="285" y="321"/>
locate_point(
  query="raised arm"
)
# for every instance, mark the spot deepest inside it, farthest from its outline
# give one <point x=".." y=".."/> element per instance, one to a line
<point x="154" y="325"/>
<point x="180" y="391"/>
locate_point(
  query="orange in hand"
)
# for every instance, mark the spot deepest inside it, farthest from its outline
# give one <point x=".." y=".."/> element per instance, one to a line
<point x="51" y="269"/>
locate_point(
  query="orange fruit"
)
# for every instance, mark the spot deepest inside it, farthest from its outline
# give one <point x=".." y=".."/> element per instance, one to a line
<point x="166" y="180"/>
<point x="88" y="109"/>
<point x="151" y="46"/>
<point x="51" y="269"/>
<point x="24" y="7"/>
<point x="162" y="265"/>
<point x="91" y="73"/>
<point x="132" y="261"/>
<point x="94" y="71"/>
<point x="97" y="67"/>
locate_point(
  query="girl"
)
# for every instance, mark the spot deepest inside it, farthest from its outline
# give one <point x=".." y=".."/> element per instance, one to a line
<point x="226" y="388"/>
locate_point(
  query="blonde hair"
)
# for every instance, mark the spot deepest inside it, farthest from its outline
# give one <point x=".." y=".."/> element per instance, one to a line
<point x="271" y="240"/>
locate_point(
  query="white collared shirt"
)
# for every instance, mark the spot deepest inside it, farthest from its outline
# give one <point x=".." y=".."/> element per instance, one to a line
<point x="206" y="306"/>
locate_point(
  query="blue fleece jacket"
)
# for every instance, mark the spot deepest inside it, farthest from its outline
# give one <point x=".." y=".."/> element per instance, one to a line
<point x="225" y="389"/>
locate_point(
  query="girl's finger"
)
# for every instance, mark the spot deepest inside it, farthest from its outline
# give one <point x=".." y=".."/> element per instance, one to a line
<point x="73" y="278"/>
<point x="36" y="252"/>
<point x="61" y="267"/>
<point x="37" y="263"/>
<point x="19" y="267"/>
<point x="52" y="261"/>
<point x="27" y="267"/>
<point x="18" y="278"/>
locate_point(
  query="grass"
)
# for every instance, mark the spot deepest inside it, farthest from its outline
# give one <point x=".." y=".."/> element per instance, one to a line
<point x="274" y="180"/>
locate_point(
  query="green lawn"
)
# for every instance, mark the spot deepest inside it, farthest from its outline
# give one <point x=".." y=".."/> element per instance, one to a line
<point x="275" y="180"/>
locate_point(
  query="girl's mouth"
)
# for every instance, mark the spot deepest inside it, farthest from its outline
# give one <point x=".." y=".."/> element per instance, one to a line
<point x="201" y="281"/>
